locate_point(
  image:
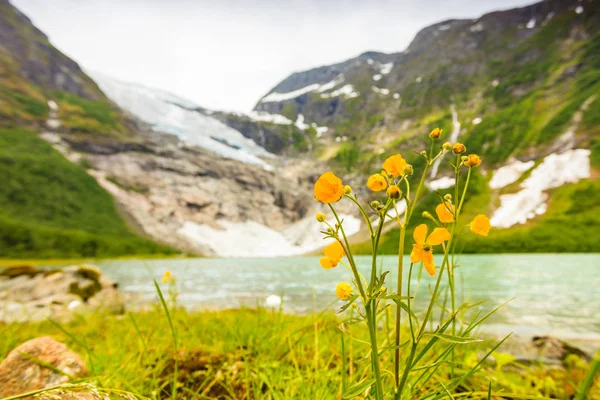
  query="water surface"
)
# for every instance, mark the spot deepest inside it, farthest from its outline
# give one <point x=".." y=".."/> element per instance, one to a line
<point x="556" y="294"/>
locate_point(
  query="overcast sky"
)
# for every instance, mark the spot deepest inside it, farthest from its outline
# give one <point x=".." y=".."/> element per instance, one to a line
<point x="226" y="54"/>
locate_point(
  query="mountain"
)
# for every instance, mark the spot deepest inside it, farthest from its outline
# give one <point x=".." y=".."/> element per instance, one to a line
<point x="520" y="87"/>
<point x="85" y="176"/>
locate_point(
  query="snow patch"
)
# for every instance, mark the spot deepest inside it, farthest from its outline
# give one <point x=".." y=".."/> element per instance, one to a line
<point x="386" y="68"/>
<point x="370" y="62"/>
<point x="477" y="27"/>
<point x="252" y="239"/>
<point x="396" y="96"/>
<point x="495" y="82"/>
<point x="346" y="90"/>
<point x="419" y="79"/>
<point x="556" y="170"/>
<point x="476" y="121"/>
<point x="377" y="77"/>
<point x="579" y="10"/>
<point x="444" y="27"/>
<point x="442" y="183"/>
<point x="382" y="91"/>
<point x="277" y="97"/>
<point x="508" y="174"/>
<point x="53" y="106"/>
<point x="262" y="116"/>
<point x="531" y="23"/>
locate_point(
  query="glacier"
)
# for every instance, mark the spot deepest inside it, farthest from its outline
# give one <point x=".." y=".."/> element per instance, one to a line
<point x="169" y="113"/>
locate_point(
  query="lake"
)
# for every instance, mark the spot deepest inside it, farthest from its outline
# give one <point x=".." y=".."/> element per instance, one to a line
<point x="553" y="293"/>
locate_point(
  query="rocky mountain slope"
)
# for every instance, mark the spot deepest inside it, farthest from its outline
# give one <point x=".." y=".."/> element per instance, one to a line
<point x="520" y="87"/>
<point x="178" y="176"/>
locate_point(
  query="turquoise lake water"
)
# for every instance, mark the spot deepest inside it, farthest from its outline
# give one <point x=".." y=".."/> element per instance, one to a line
<point x="554" y="294"/>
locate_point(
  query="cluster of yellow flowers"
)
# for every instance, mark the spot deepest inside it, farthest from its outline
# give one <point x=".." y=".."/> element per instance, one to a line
<point x="329" y="189"/>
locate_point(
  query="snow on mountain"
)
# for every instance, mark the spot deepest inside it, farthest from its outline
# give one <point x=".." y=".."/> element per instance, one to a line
<point x="170" y="113"/>
<point x="556" y="170"/>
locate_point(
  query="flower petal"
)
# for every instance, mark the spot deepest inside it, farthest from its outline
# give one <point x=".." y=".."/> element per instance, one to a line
<point x="327" y="262"/>
<point x="438" y="236"/>
<point x="335" y="251"/>
<point x="428" y="262"/>
<point x="328" y="188"/>
<point x="416" y="254"/>
<point x="444" y="212"/>
<point x="420" y="234"/>
<point x="481" y="225"/>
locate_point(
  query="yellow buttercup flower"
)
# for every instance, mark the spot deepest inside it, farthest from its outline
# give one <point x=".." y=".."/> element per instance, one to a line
<point x="394" y="192"/>
<point x="423" y="247"/>
<point x="321" y="217"/>
<point x="445" y="212"/>
<point x="481" y="225"/>
<point x="343" y="290"/>
<point x="328" y="188"/>
<point x="395" y="165"/>
<point x="166" y="276"/>
<point x="333" y="254"/>
<point x="459" y="148"/>
<point x="376" y="183"/>
<point x="436" y="133"/>
<point x="473" y="160"/>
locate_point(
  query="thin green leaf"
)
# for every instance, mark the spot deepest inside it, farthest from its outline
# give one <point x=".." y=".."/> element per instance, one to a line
<point x="454" y="339"/>
<point x="358" y="388"/>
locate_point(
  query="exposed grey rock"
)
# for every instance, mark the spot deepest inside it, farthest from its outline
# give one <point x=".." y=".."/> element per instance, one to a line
<point x="58" y="293"/>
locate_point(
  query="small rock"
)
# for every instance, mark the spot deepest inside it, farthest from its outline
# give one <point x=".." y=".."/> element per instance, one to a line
<point x="553" y="348"/>
<point x="19" y="270"/>
<point x="21" y="374"/>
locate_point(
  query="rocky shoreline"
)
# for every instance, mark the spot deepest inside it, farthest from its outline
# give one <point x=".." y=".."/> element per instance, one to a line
<point x="34" y="294"/>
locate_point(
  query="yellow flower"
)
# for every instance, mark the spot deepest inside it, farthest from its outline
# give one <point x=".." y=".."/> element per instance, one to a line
<point x="328" y="188"/>
<point x="481" y="225"/>
<point x="436" y="133"/>
<point x="347" y="189"/>
<point x="473" y="160"/>
<point x="459" y="148"/>
<point x="394" y="192"/>
<point x="395" y="165"/>
<point x="321" y="217"/>
<point x="445" y="212"/>
<point x="343" y="290"/>
<point x="333" y="254"/>
<point x="376" y="183"/>
<point x="166" y="277"/>
<point x="447" y="146"/>
<point x="423" y="248"/>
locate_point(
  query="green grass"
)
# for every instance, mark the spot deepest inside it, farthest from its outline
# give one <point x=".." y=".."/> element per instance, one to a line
<point x="82" y="115"/>
<point x="50" y="207"/>
<point x="258" y="354"/>
<point x="570" y="225"/>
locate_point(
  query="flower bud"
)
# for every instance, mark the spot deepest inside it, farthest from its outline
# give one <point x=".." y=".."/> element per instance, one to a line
<point x="423" y="153"/>
<point x="354" y="305"/>
<point x="427" y="214"/>
<point x="408" y="170"/>
<point x="458" y="148"/>
<point x="383" y="289"/>
<point x="435" y="134"/>
<point x="394" y="192"/>
<point x="330" y="231"/>
<point x="464" y="158"/>
<point x="321" y="217"/>
<point x="447" y="146"/>
<point x="448" y="197"/>
<point x="347" y="189"/>
<point x="473" y="160"/>
<point x="375" y="204"/>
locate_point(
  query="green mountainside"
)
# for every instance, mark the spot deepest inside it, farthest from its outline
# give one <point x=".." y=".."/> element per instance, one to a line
<point x="523" y="84"/>
<point x="50" y="207"/>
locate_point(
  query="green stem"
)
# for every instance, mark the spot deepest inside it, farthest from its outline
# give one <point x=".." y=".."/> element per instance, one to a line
<point x="371" y="311"/>
<point x="398" y="308"/>
<point x="349" y="255"/>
